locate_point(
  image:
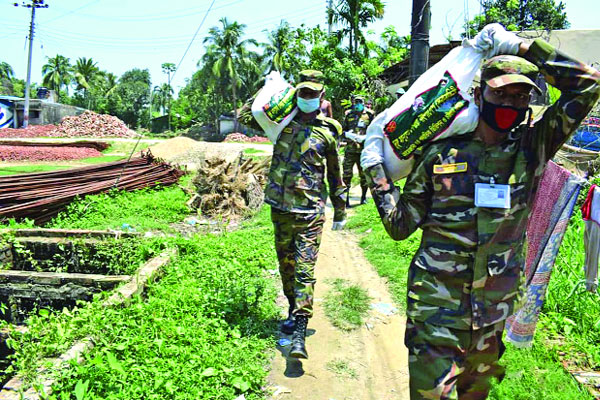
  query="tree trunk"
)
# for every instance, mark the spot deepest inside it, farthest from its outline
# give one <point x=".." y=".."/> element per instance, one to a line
<point x="351" y="40"/>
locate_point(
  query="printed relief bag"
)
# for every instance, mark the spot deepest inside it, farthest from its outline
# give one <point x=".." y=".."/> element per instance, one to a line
<point x="275" y="105"/>
<point x="438" y="105"/>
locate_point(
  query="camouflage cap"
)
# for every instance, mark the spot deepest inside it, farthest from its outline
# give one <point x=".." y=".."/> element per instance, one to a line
<point x="312" y="79"/>
<point x="358" y="98"/>
<point x="505" y="69"/>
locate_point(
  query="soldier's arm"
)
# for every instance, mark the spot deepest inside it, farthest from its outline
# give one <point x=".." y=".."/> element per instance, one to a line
<point x="401" y="212"/>
<point x="580" y="89"/>
<point x="337" y="189"/>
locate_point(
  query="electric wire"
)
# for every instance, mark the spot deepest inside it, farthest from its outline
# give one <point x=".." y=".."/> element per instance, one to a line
<point x="193" y="38"/>
<point x="177" y="14"/>
<point x="72" y="11"/>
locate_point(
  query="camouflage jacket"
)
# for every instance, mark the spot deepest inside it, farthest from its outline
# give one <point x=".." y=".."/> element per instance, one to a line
<point x="358" y="124"/>
<point x="297" y="176"/>
<point x="467" y="271"/>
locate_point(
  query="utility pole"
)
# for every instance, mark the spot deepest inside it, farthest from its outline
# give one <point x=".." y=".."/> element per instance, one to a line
<point x="34" y="4"/>
<point x="168" y="68"/>
<point x="329" y="11"/>
<point x="419" y="44"/>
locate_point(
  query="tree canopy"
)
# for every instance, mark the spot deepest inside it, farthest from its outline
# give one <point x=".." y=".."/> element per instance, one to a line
<point x="232" y="65"/>
<point x="520" y="15"/>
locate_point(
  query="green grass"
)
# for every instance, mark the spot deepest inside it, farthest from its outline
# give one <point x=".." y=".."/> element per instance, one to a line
<point x="101" y="160"/>
<point x="143" y="210"/>
<point x="28" y="169"/>
<point x="346" y="305"/>
<point x="342" y="368"/>
<point x="253" y="151"/>
<point x="571" y="311"/>
<point x="534" y="373"/>
<point x="204" y="331"/>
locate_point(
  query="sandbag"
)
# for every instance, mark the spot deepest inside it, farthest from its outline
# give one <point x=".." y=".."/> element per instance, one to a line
<point x="274" y="105"/>
<point x="438" y="105"/>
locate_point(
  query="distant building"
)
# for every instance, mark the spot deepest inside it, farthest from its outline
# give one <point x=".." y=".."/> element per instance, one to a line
<point x="42" y="111"/>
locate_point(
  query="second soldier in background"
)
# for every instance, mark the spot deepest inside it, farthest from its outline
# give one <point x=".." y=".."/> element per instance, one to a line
<point x="355" y="128"/>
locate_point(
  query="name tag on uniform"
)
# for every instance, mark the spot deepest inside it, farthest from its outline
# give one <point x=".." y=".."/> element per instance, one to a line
<point x="492" y="196"/>
<point x="449" y="168"/>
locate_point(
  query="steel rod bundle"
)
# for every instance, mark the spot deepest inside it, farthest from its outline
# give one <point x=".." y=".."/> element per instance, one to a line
<point x="40" y="196"/>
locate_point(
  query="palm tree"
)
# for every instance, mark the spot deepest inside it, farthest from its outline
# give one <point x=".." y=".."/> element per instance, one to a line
<point x="228" y="51"/>
<point x="275" y="50"/>
<point x="57" y="72"/>
<point x="110" y="83"/>
<point x="161" y="95"/>
<point x="6" y="71"/>
<point x="85" y="72"/>
<point x="354" y="15"/>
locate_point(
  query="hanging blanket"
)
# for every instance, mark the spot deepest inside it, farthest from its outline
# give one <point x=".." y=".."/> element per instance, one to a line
<point x="551" y="211"/>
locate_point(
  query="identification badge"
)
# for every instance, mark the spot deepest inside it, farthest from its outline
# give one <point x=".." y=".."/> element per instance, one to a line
<point x="492" y="196"/>
<point x="449" y="168"/>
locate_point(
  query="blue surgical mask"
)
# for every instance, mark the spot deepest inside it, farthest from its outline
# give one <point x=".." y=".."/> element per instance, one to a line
<point x="308" y="105"/>
<point x="359" y="107"/>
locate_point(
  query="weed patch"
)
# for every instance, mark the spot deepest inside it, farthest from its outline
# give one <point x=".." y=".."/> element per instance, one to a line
<point x="342" y="369"/>
<point x="202" y="332"/>
<point x="346" y="305"/>
<point x="142" y="210"/>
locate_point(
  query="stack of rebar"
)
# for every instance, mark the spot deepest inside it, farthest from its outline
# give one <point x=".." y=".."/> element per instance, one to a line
<point x="41" y="196"/>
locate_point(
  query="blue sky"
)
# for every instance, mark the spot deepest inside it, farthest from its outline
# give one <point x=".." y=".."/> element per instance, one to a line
<point x="124" y="34"/>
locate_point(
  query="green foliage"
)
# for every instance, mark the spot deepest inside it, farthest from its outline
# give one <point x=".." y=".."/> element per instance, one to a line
<point x="571" y="311"/>
<point x="346" y="305"/>
<point x="535" y="373"/>
<point x="132" y="97"/>
<point x="520" y="15"/>
<point x="6" y="71"/>
<point x="57" y="72"/>
<point x="145" y="209"/>
<point x="354" y="15"/>
<point x="202" y="332"/>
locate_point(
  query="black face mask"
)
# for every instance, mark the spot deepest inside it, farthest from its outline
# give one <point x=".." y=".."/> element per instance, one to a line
<point x="502" y="118"/>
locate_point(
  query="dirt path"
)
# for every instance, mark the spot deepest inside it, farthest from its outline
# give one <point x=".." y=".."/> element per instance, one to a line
<point x="375" y="352"/>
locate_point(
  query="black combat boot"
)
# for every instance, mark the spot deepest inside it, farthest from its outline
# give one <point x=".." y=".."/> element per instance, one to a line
<point x="289" y="324"/>
<point x="298" y="349"/>
<point x="363" y="197"/>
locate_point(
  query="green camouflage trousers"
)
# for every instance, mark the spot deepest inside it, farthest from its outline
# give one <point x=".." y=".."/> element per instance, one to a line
<point x="351" y="157"/>
<point x="297" y="241"/>
<point x="451" y="364"/>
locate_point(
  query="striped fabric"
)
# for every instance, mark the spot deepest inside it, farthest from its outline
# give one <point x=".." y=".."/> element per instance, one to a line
<point x="552" y="209"/>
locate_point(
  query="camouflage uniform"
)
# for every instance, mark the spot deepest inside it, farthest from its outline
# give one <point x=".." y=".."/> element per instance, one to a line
<point x="466" y="276"/>
<point x="358" y="123"/>
<point x="297" y="194"/>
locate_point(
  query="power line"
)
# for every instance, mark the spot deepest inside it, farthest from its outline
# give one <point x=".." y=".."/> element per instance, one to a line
<point x="193" y="38"/>
<point x="178" y="14"/>
<point x="72" y="11"/>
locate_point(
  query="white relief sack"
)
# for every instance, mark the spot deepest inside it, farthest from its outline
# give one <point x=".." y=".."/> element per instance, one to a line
<point x="275" y="105"/>
<point x="438" y="104"/>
